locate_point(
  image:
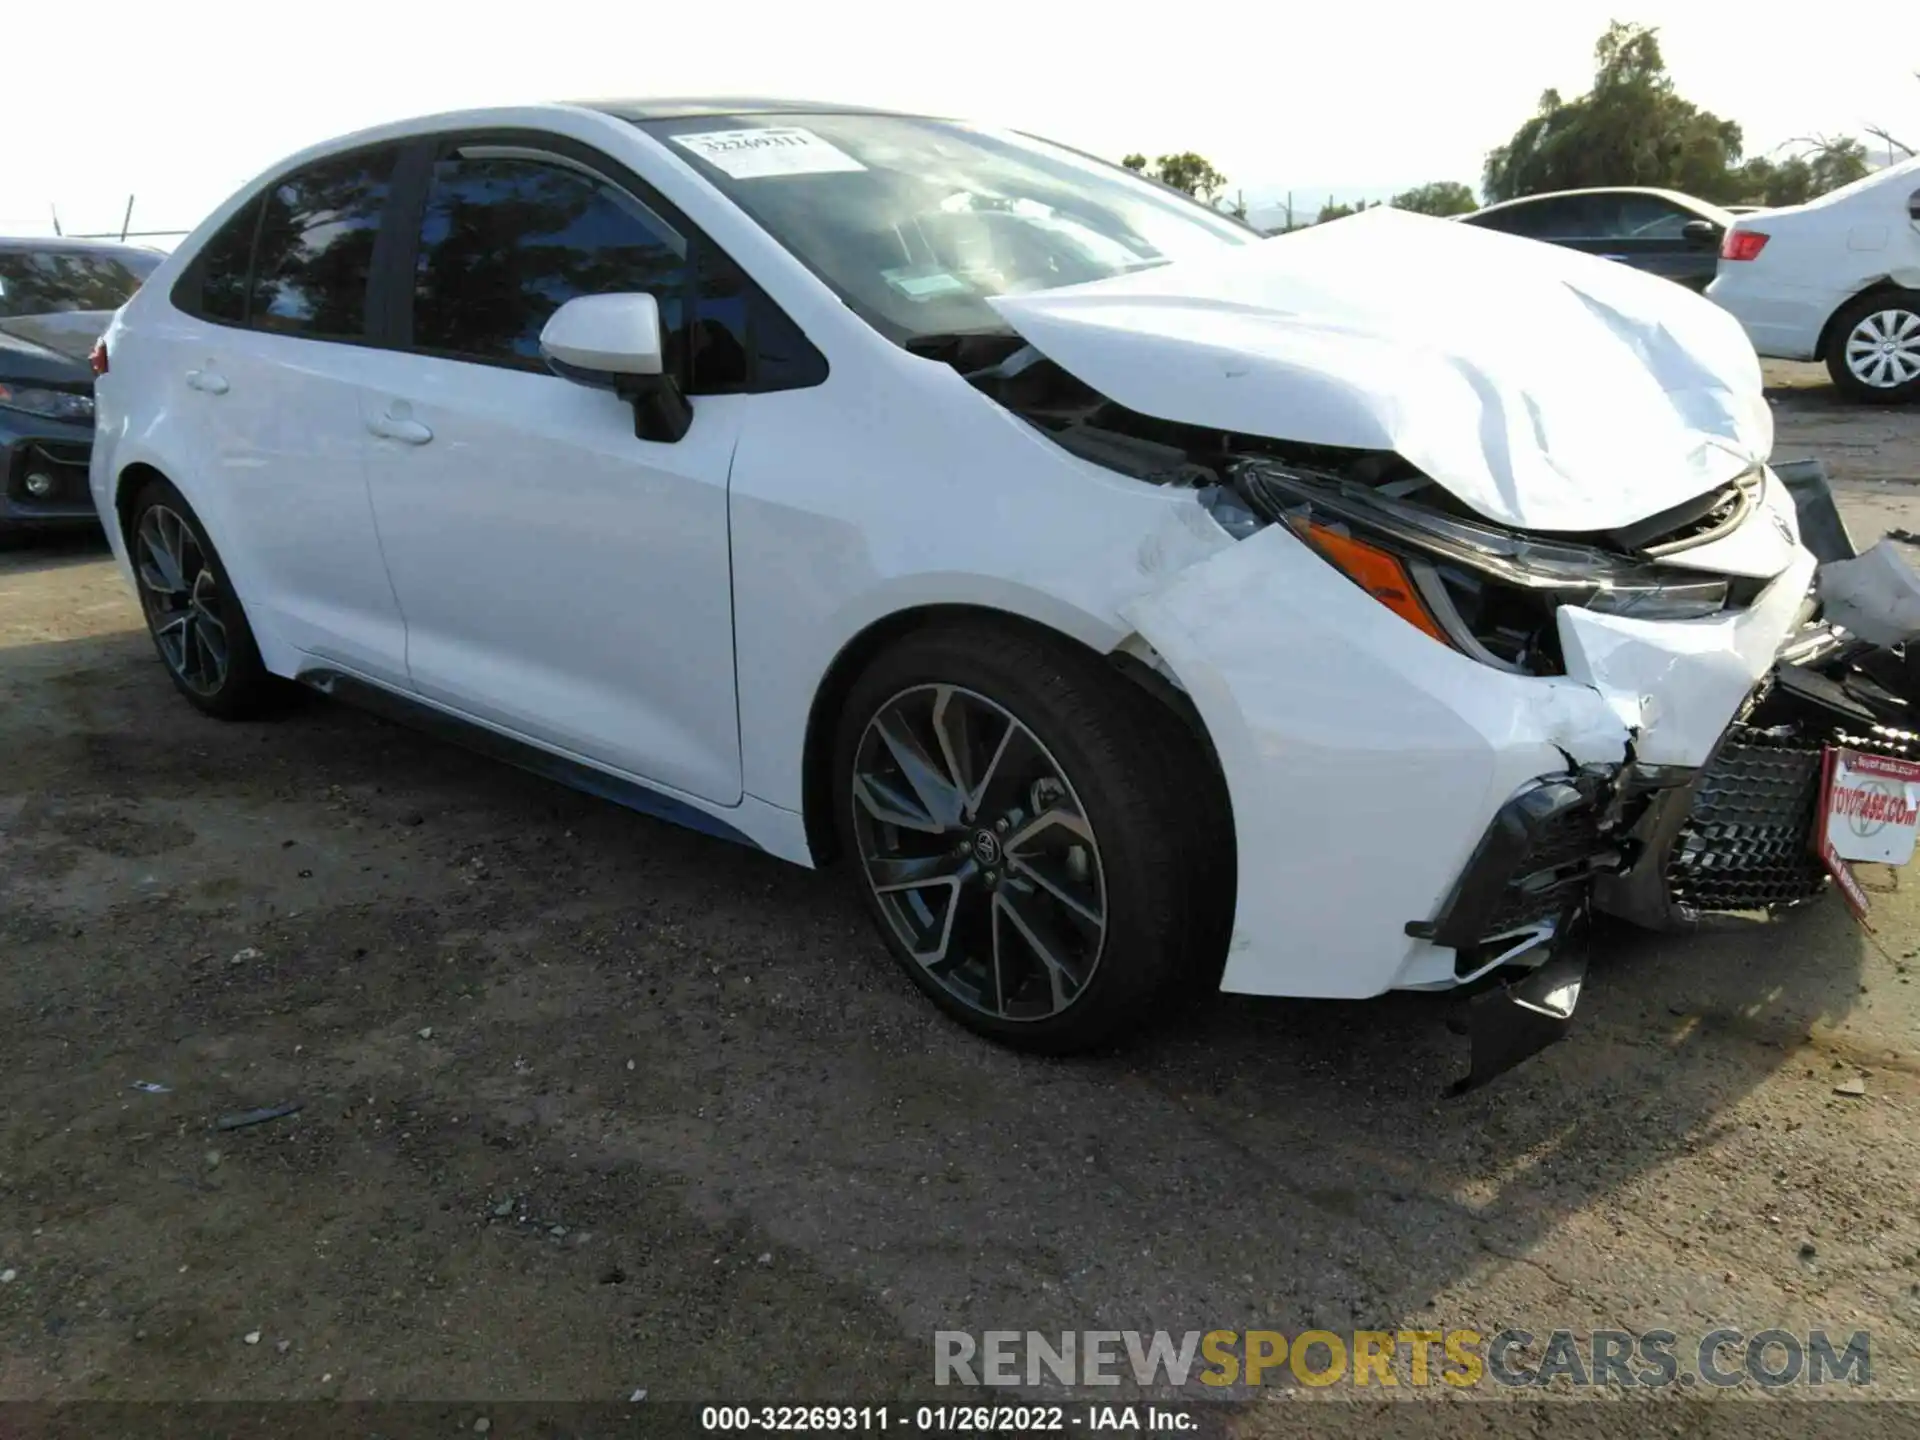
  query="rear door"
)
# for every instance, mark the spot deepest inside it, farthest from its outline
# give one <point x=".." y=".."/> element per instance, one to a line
<point x="269" y="379"/>
<point x="562" y="579"/>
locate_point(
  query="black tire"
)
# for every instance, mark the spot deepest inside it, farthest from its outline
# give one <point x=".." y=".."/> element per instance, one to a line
<point x="1895" y="314"/>
<point x="1160" y="841"/>
<point x="193" y="616"/>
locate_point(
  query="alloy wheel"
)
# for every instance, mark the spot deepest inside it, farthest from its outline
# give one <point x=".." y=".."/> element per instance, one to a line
<point x="979" y="853"/>
<point x="181" y="597"/>
<point x="1883" y="350"/>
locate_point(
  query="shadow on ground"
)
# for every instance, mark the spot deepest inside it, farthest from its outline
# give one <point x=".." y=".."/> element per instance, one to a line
<point x="594" y="1104"/>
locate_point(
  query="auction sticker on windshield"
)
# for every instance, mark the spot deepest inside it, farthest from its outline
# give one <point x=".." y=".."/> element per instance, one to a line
<point x="772" y="150"/>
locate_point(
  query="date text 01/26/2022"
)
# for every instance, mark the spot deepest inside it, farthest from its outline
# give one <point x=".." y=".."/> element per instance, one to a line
<point x="944" y="1419"/>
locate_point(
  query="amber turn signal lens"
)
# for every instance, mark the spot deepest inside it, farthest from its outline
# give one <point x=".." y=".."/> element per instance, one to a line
<point x="1380" y="574"/>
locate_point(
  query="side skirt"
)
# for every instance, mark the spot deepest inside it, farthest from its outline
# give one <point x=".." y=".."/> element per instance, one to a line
<point x="521" y="754"/>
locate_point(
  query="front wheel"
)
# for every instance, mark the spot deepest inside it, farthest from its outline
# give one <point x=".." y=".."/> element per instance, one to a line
<point x="1874" y="350"/>
<point x="1024" y="826"/>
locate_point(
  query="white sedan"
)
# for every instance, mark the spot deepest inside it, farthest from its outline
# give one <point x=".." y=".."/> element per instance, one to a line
<point x="1836" y="279"/>
<point x="1137" y="605"/>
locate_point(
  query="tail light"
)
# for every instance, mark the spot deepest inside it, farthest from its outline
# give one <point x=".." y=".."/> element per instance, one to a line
<point x="98" y="359"/>
<point x="1742" y="245"/>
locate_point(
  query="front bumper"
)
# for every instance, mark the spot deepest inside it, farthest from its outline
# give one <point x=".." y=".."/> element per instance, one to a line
<point x="58" y="453"/>
<point x="1366" y="765"/>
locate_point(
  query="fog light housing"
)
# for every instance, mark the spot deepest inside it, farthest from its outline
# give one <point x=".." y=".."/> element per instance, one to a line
<point x="40" y="484"/>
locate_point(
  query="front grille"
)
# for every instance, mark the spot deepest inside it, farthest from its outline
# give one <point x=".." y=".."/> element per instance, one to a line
<point x="1748" y="842"/>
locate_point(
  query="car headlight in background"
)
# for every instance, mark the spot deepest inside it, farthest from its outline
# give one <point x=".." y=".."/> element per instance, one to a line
<point x="49" y="404"/>
<point x="1487" y="592"/>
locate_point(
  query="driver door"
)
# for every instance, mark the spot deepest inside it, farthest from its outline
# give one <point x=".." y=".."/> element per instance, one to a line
<point x="560" y="579"/>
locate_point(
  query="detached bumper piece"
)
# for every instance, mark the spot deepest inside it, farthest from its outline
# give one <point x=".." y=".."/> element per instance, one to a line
<point x="1514" y="1022"/>
<point x="1518" y="912"/>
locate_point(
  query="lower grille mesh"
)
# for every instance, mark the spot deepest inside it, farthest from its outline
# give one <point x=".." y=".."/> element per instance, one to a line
<point x="1747" y="844"/>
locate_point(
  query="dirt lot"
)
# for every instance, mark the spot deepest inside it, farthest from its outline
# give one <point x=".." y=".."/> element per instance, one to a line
<point x="593" y="1104"/>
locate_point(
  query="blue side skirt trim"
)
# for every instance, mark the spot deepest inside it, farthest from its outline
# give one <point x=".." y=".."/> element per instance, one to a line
<point x="418" y="715"/>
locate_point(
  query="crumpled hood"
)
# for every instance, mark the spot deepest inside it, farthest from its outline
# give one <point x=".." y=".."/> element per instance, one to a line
<point x="1545" y="388"/>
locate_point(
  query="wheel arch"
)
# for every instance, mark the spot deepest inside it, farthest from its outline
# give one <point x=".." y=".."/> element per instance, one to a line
<point x="1884" y="285"/>
<point x="127" y="484"/>
<point x="1132" y="660"/>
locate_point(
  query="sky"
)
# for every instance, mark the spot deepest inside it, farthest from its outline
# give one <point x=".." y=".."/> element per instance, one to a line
<point x="181" y="105"/>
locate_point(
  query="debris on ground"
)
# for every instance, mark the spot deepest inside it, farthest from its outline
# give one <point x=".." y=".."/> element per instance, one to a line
<point x="252" y="1337"/>
<point x="425" y="1032"/>
<point x="151" y="1087"/>
<point x="1855" y="1087"/>
<point x="244" y="1118"/>
<point x="244" y="956"/>
<point x="7" y="1277"/>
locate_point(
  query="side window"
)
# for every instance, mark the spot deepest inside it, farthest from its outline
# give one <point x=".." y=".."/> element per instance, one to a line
<point x="1535" y="220"/>
<point x="1642" y="217"/>
<point x="506" y="240"/>
<point x="1563" y="218"/>
<point x="316" y="247"/>
<point x="224" y="266"/>
<point x="214" y="287"/>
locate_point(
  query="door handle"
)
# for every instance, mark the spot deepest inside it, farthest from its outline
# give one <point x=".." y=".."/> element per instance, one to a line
<point x="209" y="381"/>
<point x="395" y="427"/>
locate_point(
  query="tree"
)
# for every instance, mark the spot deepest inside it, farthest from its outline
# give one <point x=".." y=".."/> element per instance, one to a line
<point x="1331" y="211"/>
<point x="1441" y="197"/>
<point x="1821" y="165"/>
<point x="1631" y="128"/>
<point x="1185" y="171"/>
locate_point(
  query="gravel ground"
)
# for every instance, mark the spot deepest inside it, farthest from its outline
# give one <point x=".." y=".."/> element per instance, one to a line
<point x="593" y="1104"/>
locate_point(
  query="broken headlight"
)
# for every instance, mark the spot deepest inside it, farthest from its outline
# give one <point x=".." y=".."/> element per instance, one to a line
<point x="1488" y="592"/>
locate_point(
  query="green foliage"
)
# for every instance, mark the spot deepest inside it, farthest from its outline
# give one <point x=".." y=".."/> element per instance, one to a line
<point x="1185" y="171"/>
<point x="1331" y="211"/>
<point x="1630" y="129"/>
<point x="1822" y="165"/>
<point x="1440" y="197"/>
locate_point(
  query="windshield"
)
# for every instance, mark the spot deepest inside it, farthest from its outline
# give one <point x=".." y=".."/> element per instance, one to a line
<point x="916" y="222"/>
<point x="42" y="282"/>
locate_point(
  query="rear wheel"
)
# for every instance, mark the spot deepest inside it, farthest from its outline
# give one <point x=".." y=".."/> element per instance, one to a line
<point x="191" y="609"/>
<point x="1022" y="823"/>
<point x="1873" y="353"/>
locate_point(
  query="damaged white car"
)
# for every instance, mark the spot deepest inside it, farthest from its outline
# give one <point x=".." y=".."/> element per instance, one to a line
<point x="1136" y="605"/>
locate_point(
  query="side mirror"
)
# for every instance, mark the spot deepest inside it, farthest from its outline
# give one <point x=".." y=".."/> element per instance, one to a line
<point x="613" y="342"/>
<point x="1701" y="233"/>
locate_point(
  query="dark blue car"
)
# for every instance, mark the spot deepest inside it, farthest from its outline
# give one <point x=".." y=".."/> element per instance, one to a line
<point x="56" y="297"/>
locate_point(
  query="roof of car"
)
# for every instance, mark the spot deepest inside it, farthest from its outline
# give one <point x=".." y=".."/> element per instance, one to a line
<point x="1678" y="197"/>
<point x="693" y="107"/>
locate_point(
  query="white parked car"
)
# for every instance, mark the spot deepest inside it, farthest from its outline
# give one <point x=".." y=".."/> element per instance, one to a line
<point x="1135" y="604"/>
<point x="1836" y="279"/>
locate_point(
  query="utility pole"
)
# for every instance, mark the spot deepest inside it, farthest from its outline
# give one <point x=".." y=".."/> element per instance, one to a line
<point x="126" y="221"/>
<point x="56" y="217"/>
